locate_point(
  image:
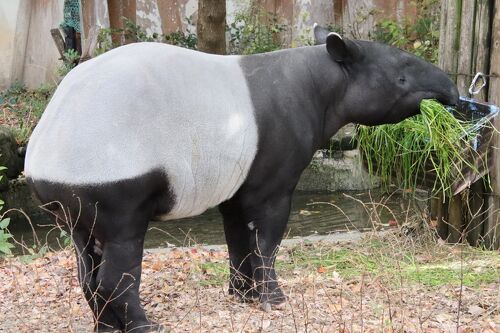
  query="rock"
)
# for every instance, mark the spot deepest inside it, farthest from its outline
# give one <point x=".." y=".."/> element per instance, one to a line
<point x="337" y="173"/>
<point x="9" y="156"/>
<point x="19" y="196"/>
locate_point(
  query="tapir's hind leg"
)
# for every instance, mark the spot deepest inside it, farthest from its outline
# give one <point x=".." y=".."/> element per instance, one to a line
<point x="238" y="242"/>
<point x="88" y="258"/>
<point x="119" y="274"/>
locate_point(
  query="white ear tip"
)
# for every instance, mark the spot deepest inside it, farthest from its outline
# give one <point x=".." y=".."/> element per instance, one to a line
<point x="335" y="34"/>
<point x="315" y="25"/>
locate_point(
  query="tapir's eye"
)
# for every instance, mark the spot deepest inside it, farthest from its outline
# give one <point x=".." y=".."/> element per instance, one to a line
<point x="402" y="79"/>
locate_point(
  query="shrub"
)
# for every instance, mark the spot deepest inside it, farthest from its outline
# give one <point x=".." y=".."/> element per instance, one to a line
<point x="255" y="31"/>
<point x="134" y="32"/>
<point x="419" y="36"/>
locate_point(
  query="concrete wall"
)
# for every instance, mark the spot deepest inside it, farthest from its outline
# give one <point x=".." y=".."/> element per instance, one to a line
<point x="28" y="54"/>
<point x="42" y="57"/>
<point x="12" y="41"/>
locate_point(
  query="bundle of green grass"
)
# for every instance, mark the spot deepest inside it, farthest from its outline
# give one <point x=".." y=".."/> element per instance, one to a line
<point x="432" y="142"/>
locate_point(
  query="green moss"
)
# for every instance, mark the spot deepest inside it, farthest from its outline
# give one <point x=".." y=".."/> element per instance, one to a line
<point x="433" y="275"/>
<point x="378" y="259"/>
<point x="214" y="273"/>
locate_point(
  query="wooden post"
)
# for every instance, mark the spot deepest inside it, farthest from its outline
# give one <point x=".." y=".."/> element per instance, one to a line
<point x="449" y="36"/>
<point x="338" y="12"/>
<point x="464" y="64"/>
<point x="492" y="226"/>
<point x="438" y="209"/>
<point x="474" y="228"/>
<point x="455" y="221"/>
<point x="58" y="40"/>
<point x="453" y="61"/>
<point x="90" y="46"/>
<point x="211" y="27"/>
<point x="87" y="18"/>
<point x="481" y="45"/>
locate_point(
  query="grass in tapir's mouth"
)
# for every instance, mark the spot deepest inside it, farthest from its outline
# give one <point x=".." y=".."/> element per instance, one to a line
<point x="433" y="141"/>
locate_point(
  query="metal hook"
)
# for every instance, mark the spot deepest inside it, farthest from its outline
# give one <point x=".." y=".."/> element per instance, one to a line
<point x="474" y="82"/>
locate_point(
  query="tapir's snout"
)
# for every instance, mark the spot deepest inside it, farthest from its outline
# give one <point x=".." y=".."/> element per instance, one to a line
<point x="446" y="91"/>
<point x="451" y="96"/>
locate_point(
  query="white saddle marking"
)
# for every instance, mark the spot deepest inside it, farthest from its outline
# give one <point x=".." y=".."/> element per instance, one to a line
<point x="150" y="106"/>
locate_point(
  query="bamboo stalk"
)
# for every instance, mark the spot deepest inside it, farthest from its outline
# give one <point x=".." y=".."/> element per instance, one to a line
<point x="492" y="226"/>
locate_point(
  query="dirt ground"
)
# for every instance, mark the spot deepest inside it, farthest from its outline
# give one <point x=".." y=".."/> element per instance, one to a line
<point x="388" y="283"/>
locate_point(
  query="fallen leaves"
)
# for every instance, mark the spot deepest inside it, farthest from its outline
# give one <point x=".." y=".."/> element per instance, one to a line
<point x="321" y="269"/>
<point x="45" y="294"/>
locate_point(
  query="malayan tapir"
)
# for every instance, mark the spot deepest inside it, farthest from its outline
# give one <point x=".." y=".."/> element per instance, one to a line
<point x="152" y="131"/>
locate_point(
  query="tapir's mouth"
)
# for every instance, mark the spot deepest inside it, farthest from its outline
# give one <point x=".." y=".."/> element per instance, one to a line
<point x="448" y="101"/>
<point x="446" y="98"/>
<point x="449" y="98"/>
<point x="409" y="104"/>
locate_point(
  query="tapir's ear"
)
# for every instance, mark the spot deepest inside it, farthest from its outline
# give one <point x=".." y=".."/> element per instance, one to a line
<point x="320" y="34"/>
<point x="339" y="48"/>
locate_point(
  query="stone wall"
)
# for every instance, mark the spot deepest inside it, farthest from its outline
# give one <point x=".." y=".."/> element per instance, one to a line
<point x="343" y="171"/>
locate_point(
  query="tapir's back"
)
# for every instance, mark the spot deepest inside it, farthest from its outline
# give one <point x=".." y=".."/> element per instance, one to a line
<point x="150" y="107"/>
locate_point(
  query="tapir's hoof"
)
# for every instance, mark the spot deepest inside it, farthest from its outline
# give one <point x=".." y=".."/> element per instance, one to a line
<point x="275" y="300"/>
<point x="106" y="329"/>
<point x="268" y="306"/>
<point x="152" y="328"/>
<point x="245" y="296"/>
<point x="157" y="328"/>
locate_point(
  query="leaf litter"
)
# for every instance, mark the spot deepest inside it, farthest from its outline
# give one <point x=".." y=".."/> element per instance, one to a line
<point x="331" y="287"/>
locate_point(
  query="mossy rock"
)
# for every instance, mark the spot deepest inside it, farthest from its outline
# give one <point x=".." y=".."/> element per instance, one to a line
<point x="9" y="157"/>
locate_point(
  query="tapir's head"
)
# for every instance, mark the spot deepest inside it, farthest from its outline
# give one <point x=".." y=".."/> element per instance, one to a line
<point x="382" y="83"/>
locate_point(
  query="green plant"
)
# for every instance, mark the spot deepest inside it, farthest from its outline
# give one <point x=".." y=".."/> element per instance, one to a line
<point x="432" y="141"/>
<point x="64" y="238"/>
<point x="132" y="31"/>
<point x="104" y="42"/>
<point x="5" y="235"/>
<point x="21" y="108"/>
<point x="70" y="60"/>
<point x="187" y="40"/>
<point x="419" y="35"/>
<point x="255" y="31"/>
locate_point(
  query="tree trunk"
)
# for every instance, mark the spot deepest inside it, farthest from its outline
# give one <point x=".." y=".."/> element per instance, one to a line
<point x="211" y="27"/>
<point x="118" y="10"/>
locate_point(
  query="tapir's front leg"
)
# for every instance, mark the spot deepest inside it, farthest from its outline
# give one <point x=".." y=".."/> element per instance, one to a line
<point x="267" y="222"/>
<point x="238" y="242"/>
